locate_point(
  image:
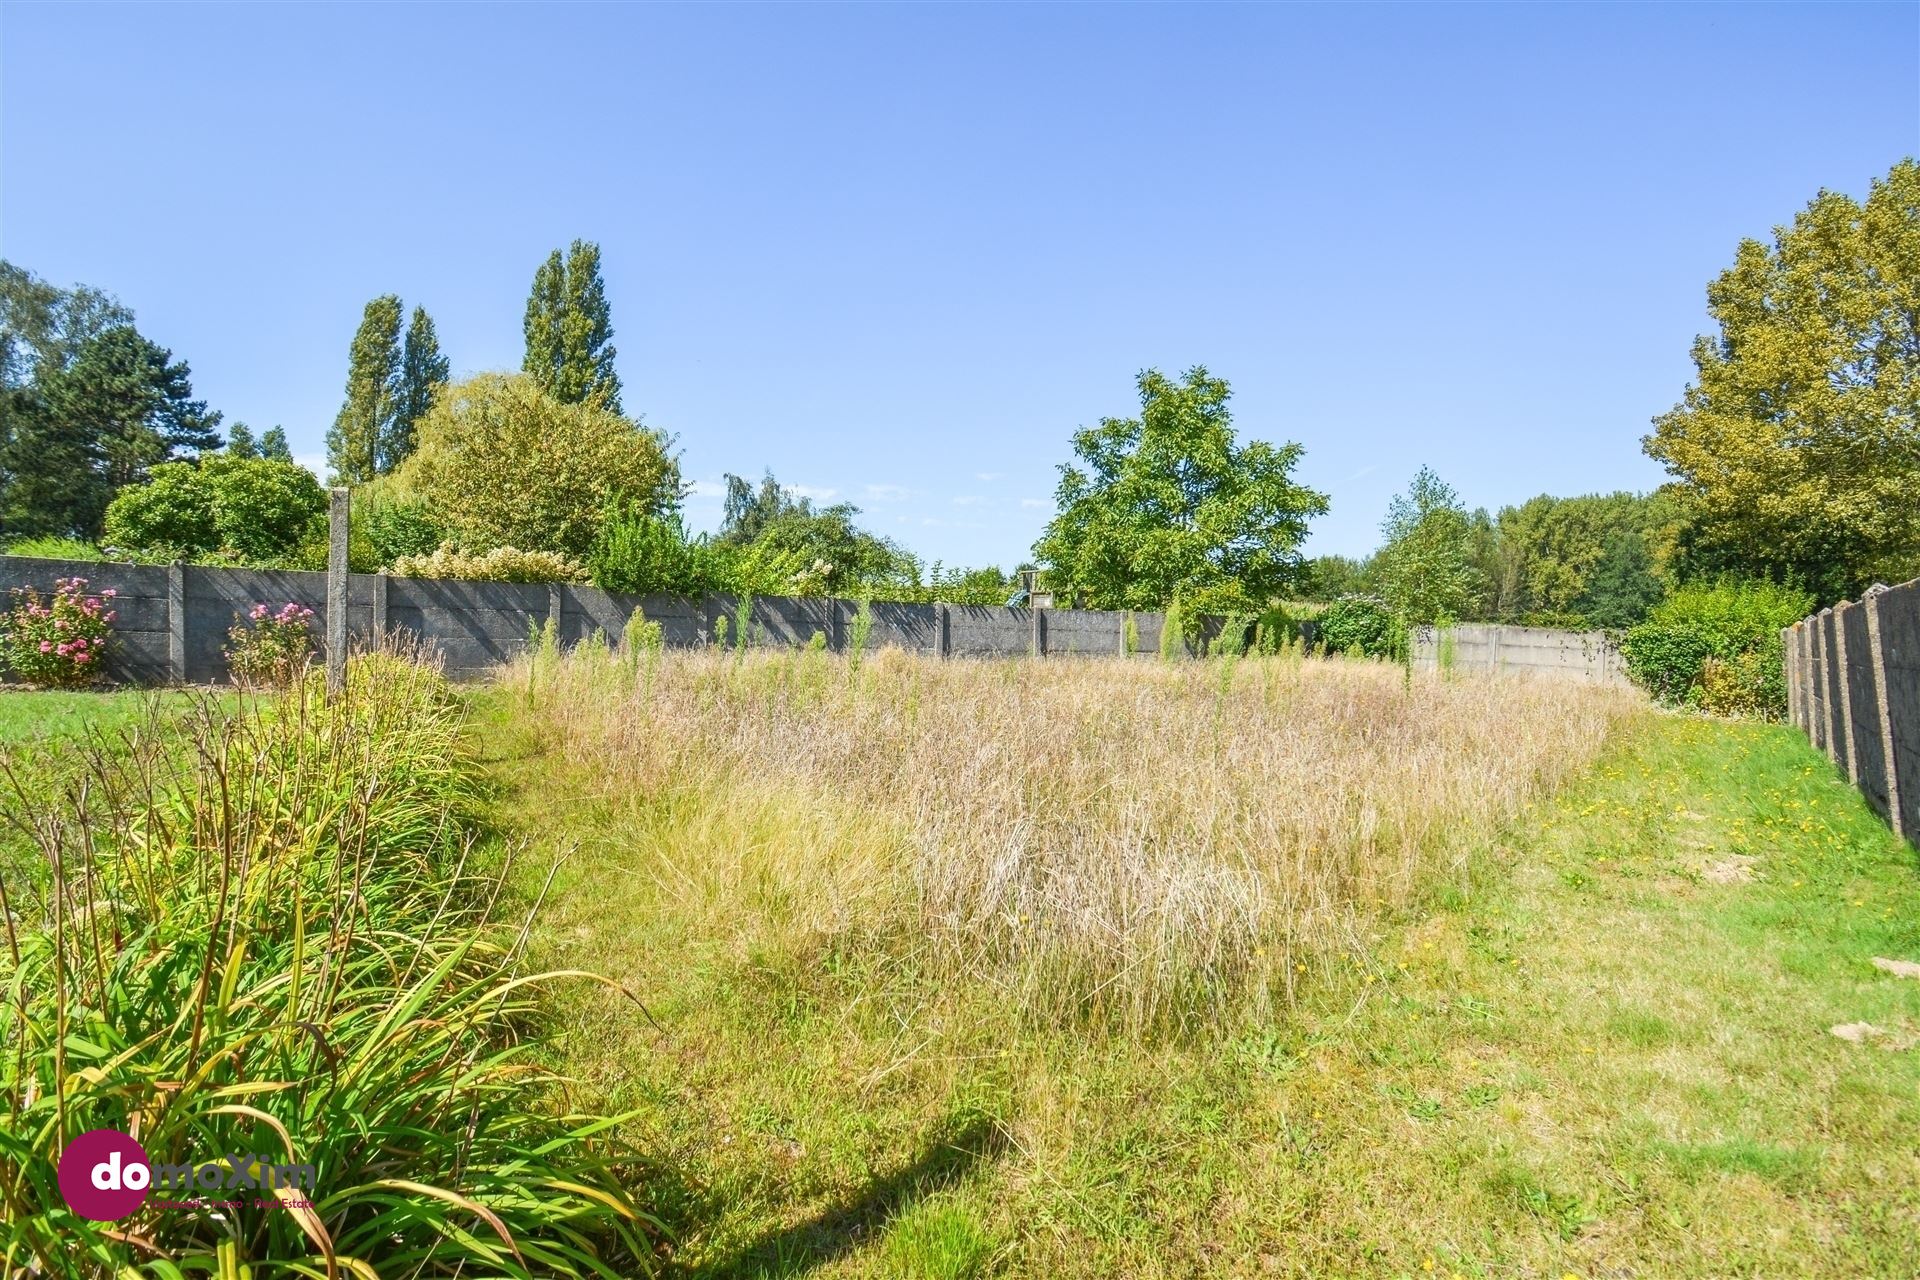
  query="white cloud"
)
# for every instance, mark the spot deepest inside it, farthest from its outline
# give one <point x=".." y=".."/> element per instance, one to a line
<point x="969" y="500"/>
<point x="813" y="492"/>
<point x="989" y="476"/>
<point x="887" y="493"/>
<point x="1036" y="504"/>
<point x="707" y="489"/>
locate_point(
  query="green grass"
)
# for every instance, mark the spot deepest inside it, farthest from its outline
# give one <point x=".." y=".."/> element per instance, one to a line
<point x="45" y="717"/>
<point x="1585" y="1055"/>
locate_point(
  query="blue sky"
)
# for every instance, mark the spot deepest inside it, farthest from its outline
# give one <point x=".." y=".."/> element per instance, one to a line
<point x="899" y="254"/>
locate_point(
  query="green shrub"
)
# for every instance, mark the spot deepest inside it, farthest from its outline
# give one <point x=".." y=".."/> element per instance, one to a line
<point x="1365" y="624"/>
<point x="650" y="554"/>
<point x="396" y="525"/>
<point x="502" y="564"/>
<point x="250" y="510"/>
<point x="1717" y="646"/>
<point x="273" y="943"/>
<point x="173" y="509"/>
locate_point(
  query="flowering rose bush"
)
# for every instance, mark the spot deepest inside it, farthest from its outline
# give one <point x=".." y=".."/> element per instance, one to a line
<point x="57" y="640"/>
<point x="269" y="647"/>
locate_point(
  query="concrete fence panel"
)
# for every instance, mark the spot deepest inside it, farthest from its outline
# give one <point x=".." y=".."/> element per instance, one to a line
<point x="1853" y="672"/>
<point x="1493" y="647"/>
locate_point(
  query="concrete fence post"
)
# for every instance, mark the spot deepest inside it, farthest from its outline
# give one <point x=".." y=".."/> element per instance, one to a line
<point x="177" y="623"/>
<point x="1843" y="684"/>
<point x="337" y="512"/>
<point x="1883" y="707"/>
<point x="1789" y="675"/>
<point x="556" y="601"/>
<point x="1817" y="680"/>
<point x="381" y="584"/>
<point x="943" y="639"/>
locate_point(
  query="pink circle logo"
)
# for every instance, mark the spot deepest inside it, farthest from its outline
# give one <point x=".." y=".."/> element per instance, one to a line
<point x="104" y="1175"/>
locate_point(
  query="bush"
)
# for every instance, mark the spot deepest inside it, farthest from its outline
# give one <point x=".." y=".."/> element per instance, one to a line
<point x="57" y="641"/>
<point x="1362" y="623"/>
<point x="502" y="564"/>
<point x="250" y="510"/>
<point x="501" y="463"/>
<point x="269" y="648"/>
<point x="174" y="509"/>
<point x="396" y="525"/>
<point x="273" y="943"/>
<point x="1717" y="646"/>
<point x="649" y="554"/>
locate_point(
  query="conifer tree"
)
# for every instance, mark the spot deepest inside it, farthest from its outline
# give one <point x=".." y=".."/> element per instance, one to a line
<point x="240" y="442"/>
<point x="366" y="418"/>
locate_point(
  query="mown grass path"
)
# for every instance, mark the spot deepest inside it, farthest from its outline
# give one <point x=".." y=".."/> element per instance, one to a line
<point x="1604" y="1050"/>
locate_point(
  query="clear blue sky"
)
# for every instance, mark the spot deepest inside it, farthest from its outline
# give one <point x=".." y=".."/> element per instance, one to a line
<point x="899" y="254"/>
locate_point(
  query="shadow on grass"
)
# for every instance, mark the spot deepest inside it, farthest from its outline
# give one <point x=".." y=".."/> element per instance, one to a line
<point x="953" y="1149"/>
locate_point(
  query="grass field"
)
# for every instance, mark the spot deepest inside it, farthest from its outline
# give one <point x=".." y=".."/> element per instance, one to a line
<point x="1581" y="1031"/>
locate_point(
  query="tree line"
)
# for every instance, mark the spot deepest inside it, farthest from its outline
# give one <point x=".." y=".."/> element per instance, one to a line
<point x="1792" y="456"/>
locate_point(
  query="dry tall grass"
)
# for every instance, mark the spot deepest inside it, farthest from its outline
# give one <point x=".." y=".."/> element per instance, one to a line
<point x="1111" y="838"/>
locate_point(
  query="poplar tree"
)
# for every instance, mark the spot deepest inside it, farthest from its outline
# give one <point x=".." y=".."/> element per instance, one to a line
<point x="569" y="329"/>
<point x="366" y="419"/>
<point x="422" y="369"/>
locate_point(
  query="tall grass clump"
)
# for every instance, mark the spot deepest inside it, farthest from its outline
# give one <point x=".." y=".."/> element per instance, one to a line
<point x="270" y="939"/>
<point x="1147" y="843"/>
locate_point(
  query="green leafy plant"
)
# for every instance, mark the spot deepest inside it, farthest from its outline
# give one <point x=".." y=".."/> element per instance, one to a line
<point x="269" y="648"/>
<point x="1363" y="624"/>
<point x="1717" y="646"/>
<point x="56" y="548"/>
<point x="250" y="510"/>
<point x="278" y="945"/>
<point x="58" y="640"/>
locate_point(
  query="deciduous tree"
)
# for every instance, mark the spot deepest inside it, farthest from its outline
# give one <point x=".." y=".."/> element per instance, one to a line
<point x="1798" y="443"/>
<point x="1426" y="570"/>
<point x="569" y="329"/>
<point x="365" y="420"/>
<point x="1171" y="504"/>
<point x="422" y="371"/>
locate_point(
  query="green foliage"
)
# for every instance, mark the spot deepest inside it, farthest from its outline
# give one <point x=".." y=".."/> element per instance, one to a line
<point x="1327" y="578"/>
<point x="501" y="564"/>
<point x="859" y="632"/>
<point x="43" y="327"/>
<point x="502" y="463"/>
<point x="569" y="330"/>
<point x="82" y="432"/>
<point x="274" y="446"/>
<point x="1426" y="569"/>
<point x="1717" y="645"/>
<point x="1590" y="560"/>
<point x="240" y="442"/>
<point x="423" y="371"/>
<point x="1798" y="444"/>
<point x="250" y="510"/>
<point x="395" y="523"/>
<point x="56" y="641"/>
<point x="1363" y="624"/>
<point x="299" y="966"/>
<point x="831" y="555"/>
<point x="365" y="420"/>
<point x="1170" y="504"/>
<point x="647" y="553"/>
<point x="173" y="509"/>
<point x="1172" y="632"/>
<point x="55" y="549"/>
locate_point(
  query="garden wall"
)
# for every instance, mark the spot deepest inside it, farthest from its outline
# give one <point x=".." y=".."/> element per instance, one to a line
<point x="173" y="619"/>
<point x="1475" y="646"/>
<point x="1853" y="685"/>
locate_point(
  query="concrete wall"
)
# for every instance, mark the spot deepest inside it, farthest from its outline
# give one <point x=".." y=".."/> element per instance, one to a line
<point x="173" y="619"/>
<point x="1853" y="685"/>
<point x="1580" y="655"/>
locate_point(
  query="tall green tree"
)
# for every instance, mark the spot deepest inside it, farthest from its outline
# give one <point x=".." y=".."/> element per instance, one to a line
<point x="569" y="329"/>
<point x="365" y="420"/>
<point x="1798" y="443"/>
<point x="1170" y="504"/>
<point x="120" y="407"/>
<point x="43" y="327"/>
<point x="422" y="370"/>
<point x="274" y="446"/>
<point x="1426" y="569"/>
<point x="240" y="442"/>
